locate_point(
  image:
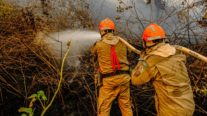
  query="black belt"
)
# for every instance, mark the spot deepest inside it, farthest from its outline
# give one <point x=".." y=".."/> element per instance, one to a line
<point x="117" y="72"/>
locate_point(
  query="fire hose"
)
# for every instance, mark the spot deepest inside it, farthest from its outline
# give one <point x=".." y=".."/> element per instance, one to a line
<point x="180" y="48"/>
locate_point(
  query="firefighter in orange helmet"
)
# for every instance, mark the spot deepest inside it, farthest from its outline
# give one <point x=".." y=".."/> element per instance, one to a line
<point x="165" y="67"/>
<point x="113" y="69"/>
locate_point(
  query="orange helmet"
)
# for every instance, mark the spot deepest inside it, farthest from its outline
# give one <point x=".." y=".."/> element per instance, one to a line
<point x="106" y="24"/>
<point x="153" y="32"/>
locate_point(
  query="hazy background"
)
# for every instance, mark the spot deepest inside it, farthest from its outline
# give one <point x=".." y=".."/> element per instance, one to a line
<point x="131" y="17"/>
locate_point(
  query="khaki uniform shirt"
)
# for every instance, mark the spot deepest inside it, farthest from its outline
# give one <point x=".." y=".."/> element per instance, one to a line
<point x="166" y="69"/>
<point x="102" y="49"/>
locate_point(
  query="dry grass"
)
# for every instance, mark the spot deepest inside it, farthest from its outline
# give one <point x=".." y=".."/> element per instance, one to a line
<point x="26" y="62"/>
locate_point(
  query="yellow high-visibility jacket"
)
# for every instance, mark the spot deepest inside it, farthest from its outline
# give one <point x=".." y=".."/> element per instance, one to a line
<point x="166" y="69"/>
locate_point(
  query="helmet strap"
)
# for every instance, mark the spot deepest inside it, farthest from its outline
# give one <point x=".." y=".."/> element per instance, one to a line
<point x="104" y="32"/>
<point x="155" y="43"/>
<point x="144" y="45"/>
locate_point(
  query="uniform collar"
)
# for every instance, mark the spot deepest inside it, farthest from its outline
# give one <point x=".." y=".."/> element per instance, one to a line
<point x="109" y="38"/>
<point x="161" y="49"/>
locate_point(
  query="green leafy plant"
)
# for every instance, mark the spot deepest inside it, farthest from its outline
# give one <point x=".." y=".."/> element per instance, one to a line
<point x="60" y="81"/>
<point x="40" y="96"/>
<point x="26" y="111"/>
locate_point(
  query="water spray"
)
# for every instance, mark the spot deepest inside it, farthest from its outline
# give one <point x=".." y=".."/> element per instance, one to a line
<point x="85" y="39"/>
<point x="82" y="39"/>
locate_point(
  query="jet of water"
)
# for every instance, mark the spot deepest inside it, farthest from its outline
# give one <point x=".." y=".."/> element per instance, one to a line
<point x="81" y="41"/>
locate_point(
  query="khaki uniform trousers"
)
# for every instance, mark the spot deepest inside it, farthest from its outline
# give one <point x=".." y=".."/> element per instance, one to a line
<point x="115" y="87"/>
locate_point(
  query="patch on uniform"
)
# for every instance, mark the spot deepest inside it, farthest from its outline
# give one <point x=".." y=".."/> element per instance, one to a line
<point x="143" y="65"/>
<point x="139" y="71"/>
